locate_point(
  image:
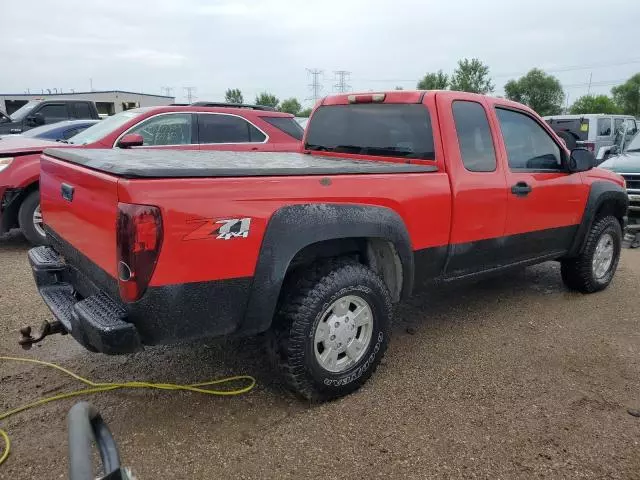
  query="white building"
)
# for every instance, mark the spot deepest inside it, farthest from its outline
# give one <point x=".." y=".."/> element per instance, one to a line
<point x="108" y="102"/>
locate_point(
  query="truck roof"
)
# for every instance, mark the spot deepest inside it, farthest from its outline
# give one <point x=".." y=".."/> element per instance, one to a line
<point x="156" y="163"/>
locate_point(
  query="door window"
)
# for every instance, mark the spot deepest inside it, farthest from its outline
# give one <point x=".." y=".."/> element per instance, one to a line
<point x="474" y="137"/>
<point x="604" y="127"/>
<point x="82" y="110"/>
<point x="54" y="112"/>
<point x="217" y="128"/>
<point x="529" y="146"/>
<point x="171" y="129"/>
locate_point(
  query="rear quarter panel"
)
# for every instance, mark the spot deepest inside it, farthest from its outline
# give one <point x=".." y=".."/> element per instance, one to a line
<point x="190" y="207"/>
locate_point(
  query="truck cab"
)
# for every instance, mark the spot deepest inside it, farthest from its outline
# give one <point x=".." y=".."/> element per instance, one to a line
<point x="43" y="112"/>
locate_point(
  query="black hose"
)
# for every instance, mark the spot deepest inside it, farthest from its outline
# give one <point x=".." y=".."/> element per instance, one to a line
<point x="86" y="427"/>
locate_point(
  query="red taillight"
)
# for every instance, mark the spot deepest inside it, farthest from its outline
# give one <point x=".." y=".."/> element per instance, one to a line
<point x="589" y="146"/>
<point x="139" y="238"/>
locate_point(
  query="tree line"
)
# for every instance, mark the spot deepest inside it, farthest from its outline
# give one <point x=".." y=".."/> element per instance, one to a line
<point x="537" y="89"/>
<point x="266" y="99"/>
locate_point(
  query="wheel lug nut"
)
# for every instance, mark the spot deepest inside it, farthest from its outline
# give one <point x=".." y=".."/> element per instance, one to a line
<point x="332" y="337"/>
<point x="337" y="324"/>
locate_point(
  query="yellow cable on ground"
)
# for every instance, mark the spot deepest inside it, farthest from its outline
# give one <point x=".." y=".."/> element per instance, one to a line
<point x="96" y="387"/>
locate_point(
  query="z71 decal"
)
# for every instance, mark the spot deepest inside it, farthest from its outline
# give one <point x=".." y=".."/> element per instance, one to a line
<point x="224" y="229"/>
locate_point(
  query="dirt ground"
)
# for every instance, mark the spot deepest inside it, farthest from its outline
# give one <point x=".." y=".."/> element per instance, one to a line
<point x="509" y="378"/>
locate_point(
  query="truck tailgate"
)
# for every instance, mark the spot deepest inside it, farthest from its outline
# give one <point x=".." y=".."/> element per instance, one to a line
<point x="79" y="205"/>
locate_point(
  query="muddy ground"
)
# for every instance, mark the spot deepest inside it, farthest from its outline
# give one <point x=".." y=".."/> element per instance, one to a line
<point x="508" y="378"/>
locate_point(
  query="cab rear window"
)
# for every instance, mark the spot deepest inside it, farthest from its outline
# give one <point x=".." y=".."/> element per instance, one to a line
<point x="394" y="130"/>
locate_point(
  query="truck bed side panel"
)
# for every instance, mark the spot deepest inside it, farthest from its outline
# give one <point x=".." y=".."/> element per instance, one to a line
<point x="194" y="209"/>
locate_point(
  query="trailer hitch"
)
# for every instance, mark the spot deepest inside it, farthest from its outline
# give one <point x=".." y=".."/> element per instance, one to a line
<point x="47" y="328"/>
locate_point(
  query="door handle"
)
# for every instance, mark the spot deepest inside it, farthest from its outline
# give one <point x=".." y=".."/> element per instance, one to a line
<point x="521" y="189"/>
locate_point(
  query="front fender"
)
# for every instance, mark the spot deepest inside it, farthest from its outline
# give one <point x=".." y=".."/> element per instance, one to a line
<point x="601" y="192"/>
<point x="293" y="228"/>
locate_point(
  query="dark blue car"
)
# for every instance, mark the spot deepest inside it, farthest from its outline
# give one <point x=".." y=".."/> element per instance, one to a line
<point x="60" y="130"/>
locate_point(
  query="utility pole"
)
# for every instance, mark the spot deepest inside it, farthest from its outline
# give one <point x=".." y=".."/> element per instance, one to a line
<point x="168" y="91"/>
<point x="589" y="88"/>
<point x="342" y="76"/>
<point x="91" y="84"/>
<point x="190" y="93"/>
<point x="315" y="85"/>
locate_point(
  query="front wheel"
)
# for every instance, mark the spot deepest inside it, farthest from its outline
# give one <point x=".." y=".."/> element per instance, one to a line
<point x="594" y="268"/>
<point x="332" y="329"/>
<point x="30" y="219"/>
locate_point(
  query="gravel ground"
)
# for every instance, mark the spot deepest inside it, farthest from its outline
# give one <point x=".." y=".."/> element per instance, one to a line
<point x="508" y="378"/>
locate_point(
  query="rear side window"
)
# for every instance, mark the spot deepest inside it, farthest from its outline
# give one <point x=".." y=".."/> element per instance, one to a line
<point x="82" y="110"/>
<point x="529" y="146"/>
<point x="474" y="137"/>
<point x="218" y="128"/>
<point x="54" y="112"/>
<point x="395" y="130"/>
<point x="604" y="127"/>
<point x="286" y="125"/>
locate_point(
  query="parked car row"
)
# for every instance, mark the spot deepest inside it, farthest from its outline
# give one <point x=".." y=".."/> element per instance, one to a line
<point x="194" y="127"/>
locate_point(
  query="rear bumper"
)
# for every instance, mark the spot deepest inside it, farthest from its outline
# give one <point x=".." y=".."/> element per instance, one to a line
<point x="96" y="321"/>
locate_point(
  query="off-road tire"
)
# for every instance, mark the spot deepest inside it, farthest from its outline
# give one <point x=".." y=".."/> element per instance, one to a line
<point x="577" y="273"/>
<point x="307" y="295"/>
<point x="25" y="219"/>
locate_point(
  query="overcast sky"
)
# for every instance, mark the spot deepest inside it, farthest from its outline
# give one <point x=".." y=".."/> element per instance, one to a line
<point x="255" y="45"/>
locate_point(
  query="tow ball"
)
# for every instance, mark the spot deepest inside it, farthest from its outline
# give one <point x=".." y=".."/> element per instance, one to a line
<point x="47" y="328"/>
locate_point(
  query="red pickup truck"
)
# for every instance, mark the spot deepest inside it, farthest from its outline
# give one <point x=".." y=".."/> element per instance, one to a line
<point x="149" y="247"/>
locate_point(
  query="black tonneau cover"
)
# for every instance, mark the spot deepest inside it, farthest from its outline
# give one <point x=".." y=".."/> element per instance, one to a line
<point x="160" y="163"/>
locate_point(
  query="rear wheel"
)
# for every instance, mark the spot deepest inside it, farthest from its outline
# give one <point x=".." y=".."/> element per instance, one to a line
<point x="30" y="219"/>
<point x="332" y="329"/>
<point x="594" y="268"/>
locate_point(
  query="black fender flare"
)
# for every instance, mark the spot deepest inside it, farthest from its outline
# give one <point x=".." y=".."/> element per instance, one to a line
<point x="292" y="228"/>
<point x="600" y="193"/>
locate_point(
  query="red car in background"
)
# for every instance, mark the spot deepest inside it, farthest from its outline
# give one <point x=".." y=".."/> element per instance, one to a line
<point x="205" y="126"/>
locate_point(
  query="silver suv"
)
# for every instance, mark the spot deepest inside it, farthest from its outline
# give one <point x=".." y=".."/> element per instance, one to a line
<point x="594" y="131"/>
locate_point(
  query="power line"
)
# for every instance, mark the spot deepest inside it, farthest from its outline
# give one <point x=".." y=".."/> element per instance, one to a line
<point x="190" y="93"/>
<point x="342" y="76"/>
<point x="315" y="85"/>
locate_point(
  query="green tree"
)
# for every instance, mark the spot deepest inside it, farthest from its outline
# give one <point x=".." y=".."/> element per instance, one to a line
<point x="594" y="104"/>
<point x="304" y="113"/>
<point x="233" y="95"/>
<point x="434" y="81"/>
<point x="540" y="91"/>
<point x="291" y="105"/>
<point x="471" y="76"/>
<point x="627" y="96"/>
<point x="267" y="99"/>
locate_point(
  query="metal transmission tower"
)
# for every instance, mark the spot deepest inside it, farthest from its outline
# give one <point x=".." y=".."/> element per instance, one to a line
<point x="315" y="85"/>
<point x="190" y="93"/>
<point x="168" y="91"/>
<point x="342" y="77"/>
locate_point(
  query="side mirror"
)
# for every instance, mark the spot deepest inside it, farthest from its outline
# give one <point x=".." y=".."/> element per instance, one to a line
<point x="131" y="140"/>
<point x="581" y="160"/>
